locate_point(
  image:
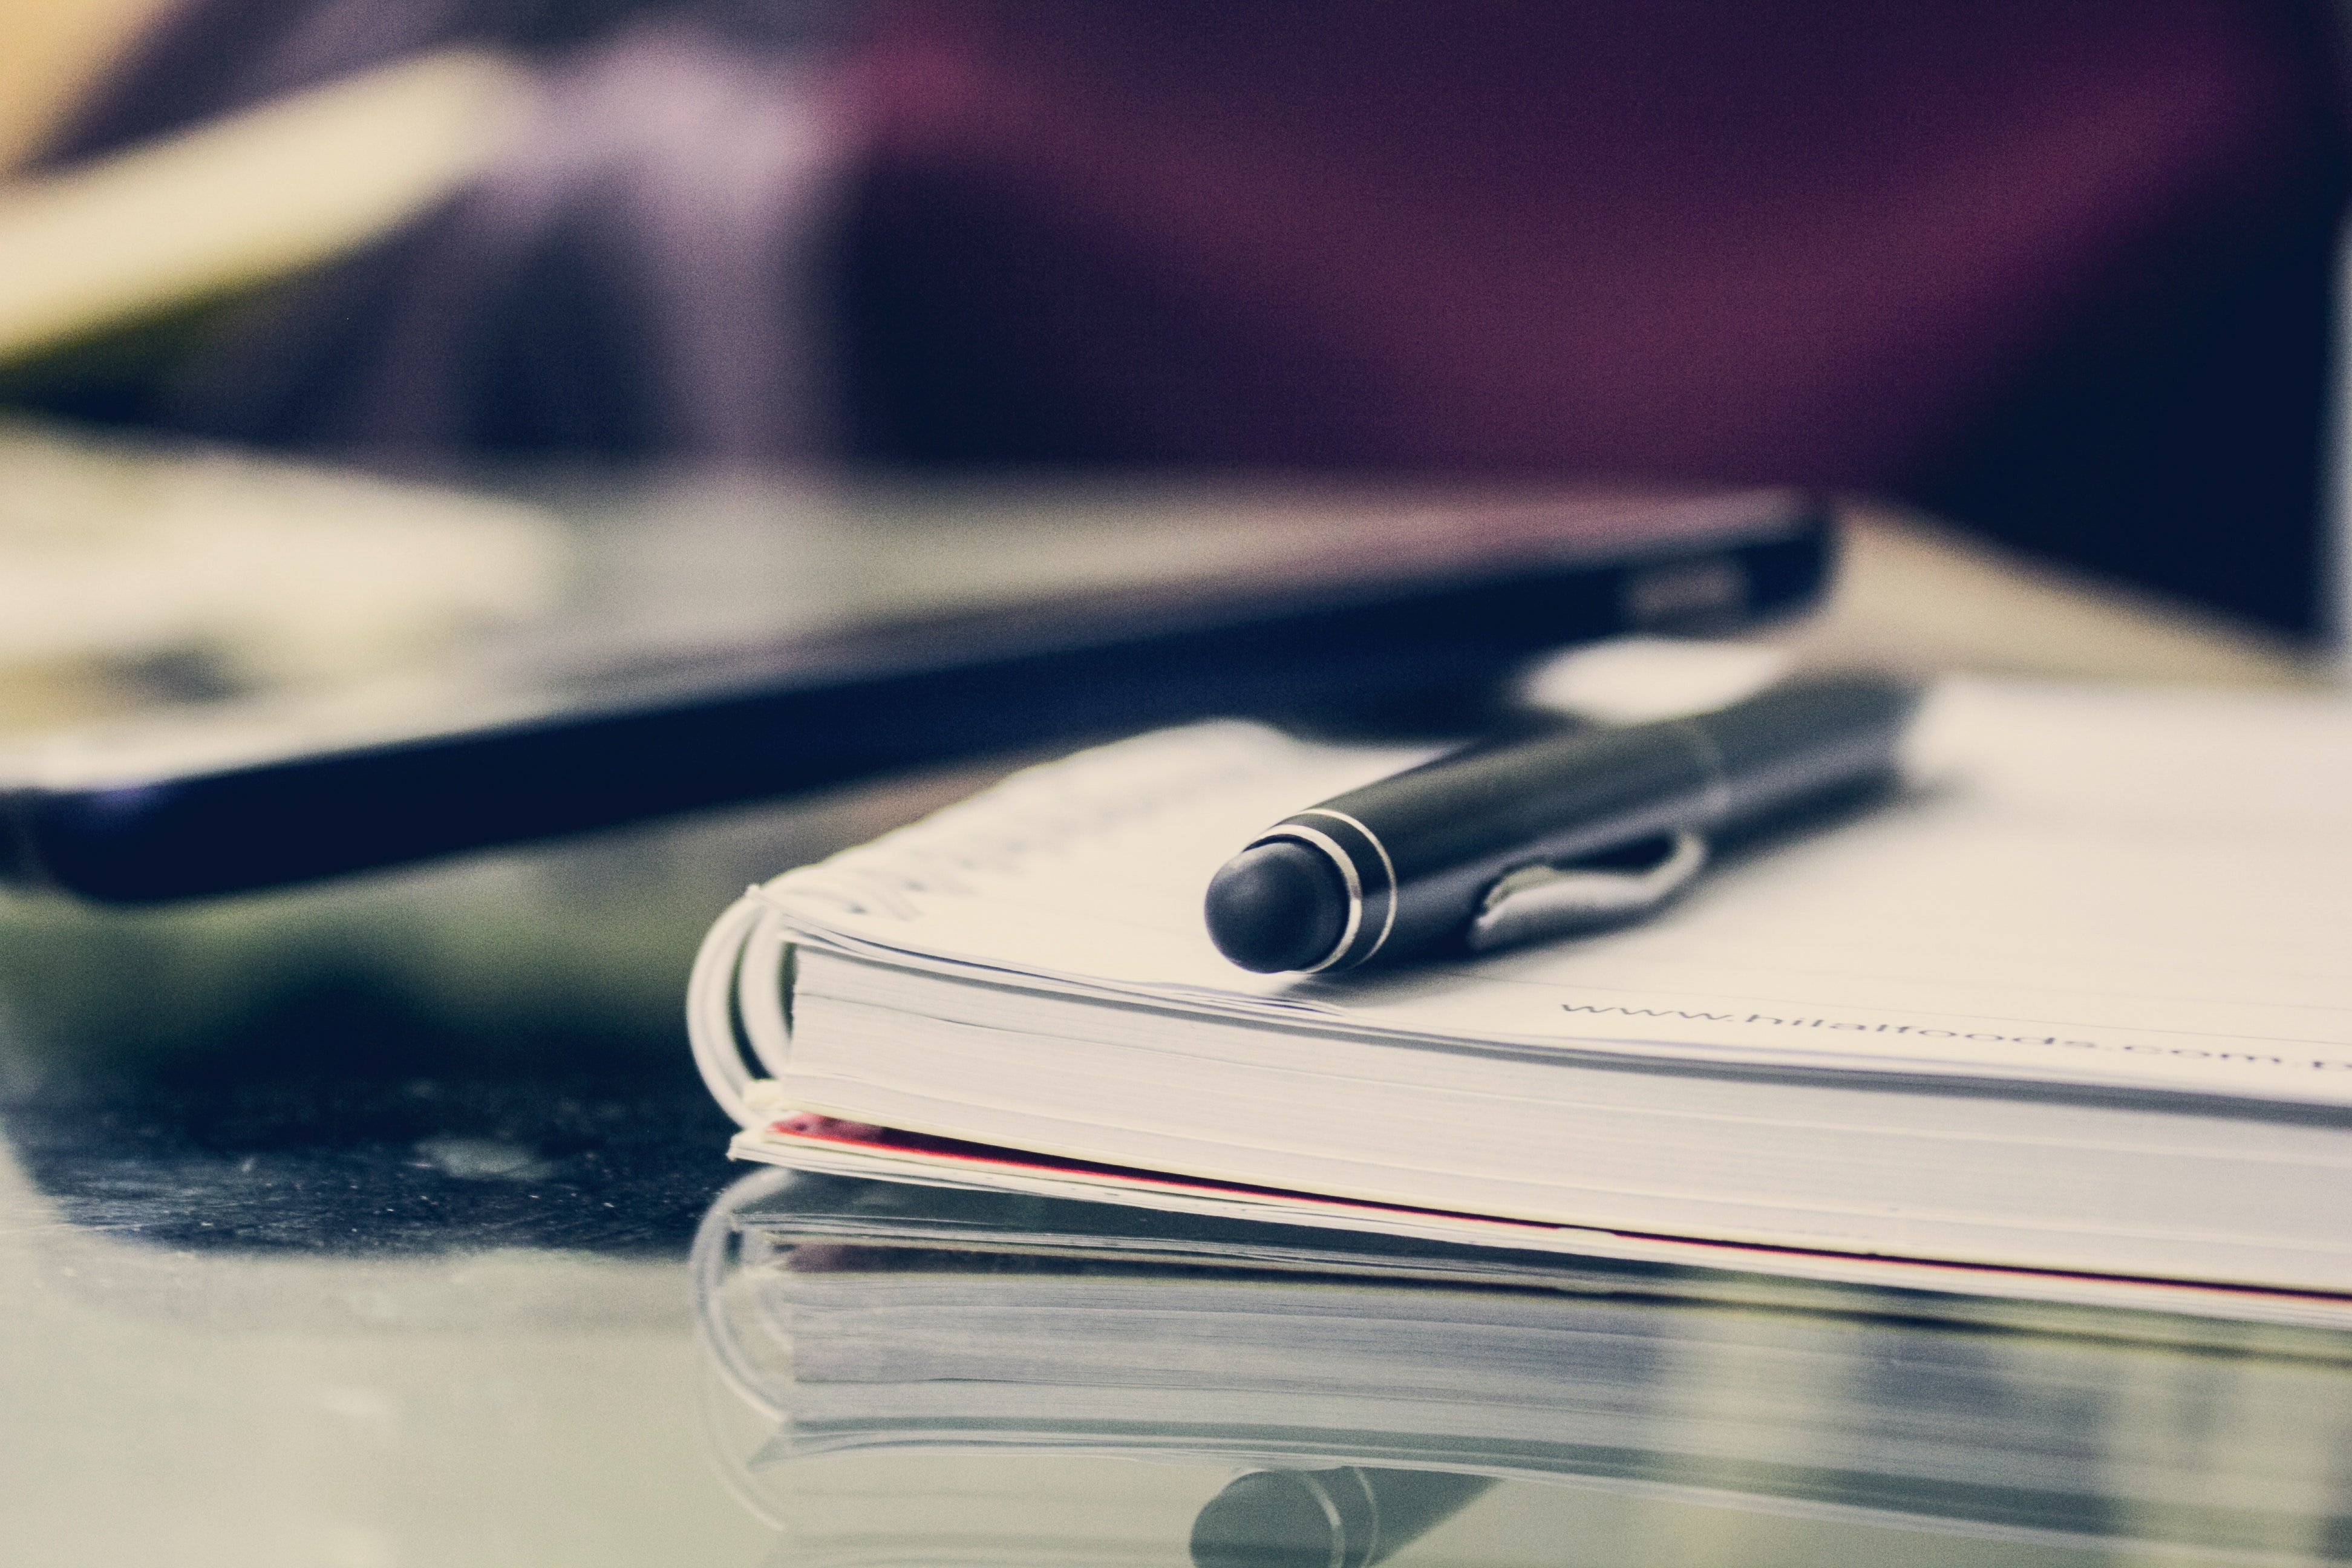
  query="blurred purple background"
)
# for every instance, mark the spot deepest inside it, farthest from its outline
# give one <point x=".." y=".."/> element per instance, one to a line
<point x="2063" y="272"/>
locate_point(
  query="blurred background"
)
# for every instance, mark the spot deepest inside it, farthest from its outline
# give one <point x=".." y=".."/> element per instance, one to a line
<point x="327" y="326"/>
<point x="2062" y="275"/>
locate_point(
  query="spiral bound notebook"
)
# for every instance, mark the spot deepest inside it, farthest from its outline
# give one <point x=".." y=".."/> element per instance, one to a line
<point x="2069" y="1017"/>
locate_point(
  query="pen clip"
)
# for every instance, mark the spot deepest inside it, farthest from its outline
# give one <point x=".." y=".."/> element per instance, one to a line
<point x="1537" y="901"/>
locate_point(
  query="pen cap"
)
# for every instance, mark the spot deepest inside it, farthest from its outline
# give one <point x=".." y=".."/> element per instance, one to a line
<point x="1418" y="850"/>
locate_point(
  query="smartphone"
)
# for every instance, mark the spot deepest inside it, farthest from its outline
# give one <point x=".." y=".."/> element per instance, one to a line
<point x="713" y="644"/>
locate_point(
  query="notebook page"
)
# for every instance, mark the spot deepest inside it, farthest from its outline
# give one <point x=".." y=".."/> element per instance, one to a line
<point x="2086" y="885"/>
<point x="2089" y="885"/>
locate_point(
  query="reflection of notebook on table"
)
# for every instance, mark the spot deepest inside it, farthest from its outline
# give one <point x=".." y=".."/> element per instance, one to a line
<point x="2101" y="1429"/>
<point x="2074" y="1006"/>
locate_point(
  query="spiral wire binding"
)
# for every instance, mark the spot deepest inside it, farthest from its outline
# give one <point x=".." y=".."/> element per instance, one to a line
<point x="737" y="995"/>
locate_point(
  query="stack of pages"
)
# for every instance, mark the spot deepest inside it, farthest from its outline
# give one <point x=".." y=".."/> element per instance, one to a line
<point x="2068" y="1019"/>
<point x="889" y="1321"/>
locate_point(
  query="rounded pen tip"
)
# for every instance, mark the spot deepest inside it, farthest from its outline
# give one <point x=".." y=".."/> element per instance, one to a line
<point x="1277" y="906"/>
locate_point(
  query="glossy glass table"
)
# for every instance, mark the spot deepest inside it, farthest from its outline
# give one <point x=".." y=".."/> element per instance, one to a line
<point x="359" y="1227"/>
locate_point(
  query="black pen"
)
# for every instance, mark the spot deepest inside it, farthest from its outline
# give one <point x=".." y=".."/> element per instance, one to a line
<point x="1496" y="844"/>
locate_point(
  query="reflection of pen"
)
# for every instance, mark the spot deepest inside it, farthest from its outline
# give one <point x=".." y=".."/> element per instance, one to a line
<point x="1497" y="844"/>
<point x="1349" y="1517"/>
